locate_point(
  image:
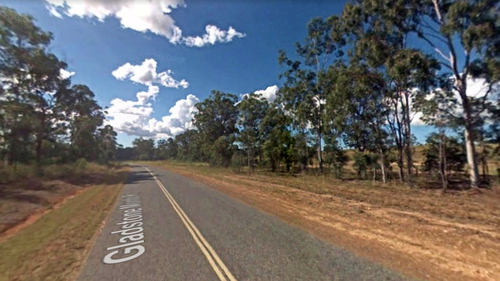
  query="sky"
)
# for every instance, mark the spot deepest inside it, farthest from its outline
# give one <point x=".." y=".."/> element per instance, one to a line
<point x="150" y="62"/>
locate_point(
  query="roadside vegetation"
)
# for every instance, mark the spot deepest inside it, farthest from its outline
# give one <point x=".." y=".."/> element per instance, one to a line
<point x="57" y="178"/>
<point x="351" y="93"/>
<point x="53" y="139"/>
<point x="44" y="119"/>
<point x="63" y="218"/>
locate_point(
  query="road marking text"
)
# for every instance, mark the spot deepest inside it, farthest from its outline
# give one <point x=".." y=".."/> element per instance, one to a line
<point x="131" y="231"/>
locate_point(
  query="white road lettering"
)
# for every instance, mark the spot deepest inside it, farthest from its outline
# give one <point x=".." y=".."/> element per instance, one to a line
<point x="131" y="231"/>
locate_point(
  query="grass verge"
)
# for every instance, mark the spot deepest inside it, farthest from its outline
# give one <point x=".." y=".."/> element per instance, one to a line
<point x="54" y="247"/>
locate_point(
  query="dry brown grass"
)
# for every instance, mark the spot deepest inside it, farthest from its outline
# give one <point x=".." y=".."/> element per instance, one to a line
<point x="52" y="246"/>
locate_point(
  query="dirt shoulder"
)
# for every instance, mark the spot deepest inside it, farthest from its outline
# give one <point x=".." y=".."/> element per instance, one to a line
<point x="54" y="233"/>
<point x="24" y="201"/>
<point x="421" y="233"/>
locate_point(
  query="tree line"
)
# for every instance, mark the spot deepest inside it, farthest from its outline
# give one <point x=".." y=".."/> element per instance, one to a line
<point x="44" y="119"/>
<point x="356" y="82"/>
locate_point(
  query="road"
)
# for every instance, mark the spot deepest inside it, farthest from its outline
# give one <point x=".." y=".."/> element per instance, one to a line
<point x="169" y="227"/>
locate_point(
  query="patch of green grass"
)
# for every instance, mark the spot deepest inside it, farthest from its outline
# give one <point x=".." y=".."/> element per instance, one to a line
<point x="54" y="247"/>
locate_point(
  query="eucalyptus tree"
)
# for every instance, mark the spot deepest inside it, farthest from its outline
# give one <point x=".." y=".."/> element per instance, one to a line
<point x="144" y="149"/>
<point x="188" y="146"/>
<point x="306" y="84"/>
<point x="252" y="110"/>
<point x="277" y="139"/>
<point x="464" y="36"/>
<point x="413" y="75"/>
<point x="29" y="75"/>
<point x="357" y="100"/>
<point x="380" y="44"/>
<point x="215" y="120"/>
<point x="107" y="143"/>
<point x="82" y="117"/>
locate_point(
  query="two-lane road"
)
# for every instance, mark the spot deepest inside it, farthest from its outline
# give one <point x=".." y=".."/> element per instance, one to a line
<point x="168" y="227"/>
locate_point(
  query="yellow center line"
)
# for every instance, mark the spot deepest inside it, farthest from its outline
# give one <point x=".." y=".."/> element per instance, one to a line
<point x="202" y="243"/>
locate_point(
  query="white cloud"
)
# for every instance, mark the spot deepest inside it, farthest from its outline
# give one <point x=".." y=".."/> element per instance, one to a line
<point x="142" y="16"/>
<point x="213" y="35"/>
<point x="53" y="11"/>
<point x="134" y="117"/>
<point x="476" y="88"/>
<point x="146" y="74"/>
<point x="179" y="120"/>
<point x="66" y="74"/>
<point x="269" y="93"/>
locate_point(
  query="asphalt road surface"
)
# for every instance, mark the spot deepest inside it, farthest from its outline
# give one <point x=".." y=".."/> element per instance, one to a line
<point x="168" y="227"/>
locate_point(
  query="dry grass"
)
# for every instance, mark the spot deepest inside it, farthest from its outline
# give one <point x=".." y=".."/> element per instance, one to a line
<point x="423" y="233"/>
<point x="54" y="246"/>
<point x="33" y="195"/>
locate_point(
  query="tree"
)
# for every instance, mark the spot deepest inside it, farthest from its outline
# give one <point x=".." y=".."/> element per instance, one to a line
<point x="464" y="36"/>
<point x="413" y="74"/>
<point x="335" y="156"/>
<point x="188" y="146"/>
<point x="144" y="149"/>
<point x="379" y="42"/>
<point x="82" y="116"/>
<point x="278" y="142"/>
<point x="305" y="87"/>
<point x="444" y="155"/>
<point x="252" y="110"/>
<point x="29" y="74"/>
<point x="216" y="119"/>
<point x="357" y="104"/>
<point x="107" y="144"/>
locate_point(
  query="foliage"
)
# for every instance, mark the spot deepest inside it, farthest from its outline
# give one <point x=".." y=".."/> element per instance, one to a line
<point x="454" y="153"/>
<point x="357" y="82"/>
<point x="44" y="118"/>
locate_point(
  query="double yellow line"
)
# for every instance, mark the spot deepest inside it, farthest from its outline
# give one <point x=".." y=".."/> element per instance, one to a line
<point x="213" y="259"/>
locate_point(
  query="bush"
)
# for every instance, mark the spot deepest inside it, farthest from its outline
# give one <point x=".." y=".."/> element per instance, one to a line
<point x="14" y="173"/>
<point x="81" y="165"/>
<point x="237" y="161"/>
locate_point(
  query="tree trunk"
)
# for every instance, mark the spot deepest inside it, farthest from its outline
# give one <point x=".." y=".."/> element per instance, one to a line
<point x="320" y="154"/>
<point x="471" y="157"/>
<point x="408" y="152"/>
<point x="38" y="149"/>
<point x="484" y="161"/>
<point x="382" y="166"/>
<point x="469" y="136"/>
<point x="251" y="160"/>
<point x="248" y="159"/>
<point x="401" y="165"/>
<point x="442" y="162"/>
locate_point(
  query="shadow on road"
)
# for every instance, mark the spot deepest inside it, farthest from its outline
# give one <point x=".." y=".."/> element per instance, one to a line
<point x="138" y="176"/>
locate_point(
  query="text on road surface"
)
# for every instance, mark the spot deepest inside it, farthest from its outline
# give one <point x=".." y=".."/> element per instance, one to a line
<point x="131" y="232"/>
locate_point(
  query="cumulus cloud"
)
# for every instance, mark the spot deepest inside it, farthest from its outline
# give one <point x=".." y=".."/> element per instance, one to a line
<point x="66" y="74"/>
<point x="135" y="117"/>
<point x="146" y="74"/>
<point x="142" y="16"/>
<point x="213" y="35"/>
<point x="179" y="120"/>
<point x="269" y="93"/>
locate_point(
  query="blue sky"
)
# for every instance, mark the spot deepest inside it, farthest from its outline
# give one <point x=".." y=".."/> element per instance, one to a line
<point x="244" y="63"/>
